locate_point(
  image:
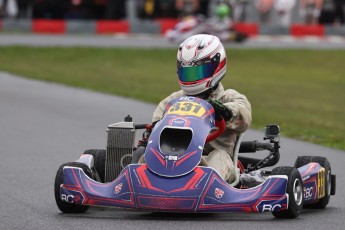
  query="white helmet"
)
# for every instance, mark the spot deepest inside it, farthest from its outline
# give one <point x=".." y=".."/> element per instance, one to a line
<point x="201" y="63"/>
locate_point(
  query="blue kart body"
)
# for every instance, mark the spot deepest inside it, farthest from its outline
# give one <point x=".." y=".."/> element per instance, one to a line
<point x="171" y="180"/>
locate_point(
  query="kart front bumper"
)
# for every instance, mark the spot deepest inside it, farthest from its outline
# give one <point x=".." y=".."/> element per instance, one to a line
<point x="202" y="190"/>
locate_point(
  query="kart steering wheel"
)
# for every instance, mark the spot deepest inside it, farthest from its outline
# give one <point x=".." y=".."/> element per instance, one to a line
<point x="221" y="127"/>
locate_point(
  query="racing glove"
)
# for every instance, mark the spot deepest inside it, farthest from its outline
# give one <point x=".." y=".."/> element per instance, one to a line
<point x="221" y="111"/>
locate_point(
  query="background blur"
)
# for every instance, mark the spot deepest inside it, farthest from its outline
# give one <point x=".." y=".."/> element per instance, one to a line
<point x="330" y="12"/>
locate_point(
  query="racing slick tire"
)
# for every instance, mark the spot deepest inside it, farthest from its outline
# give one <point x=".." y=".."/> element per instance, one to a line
<point x="303" y="160"/>
<point x="64" y="206"/>
<point x="99" y="156"/>
<point x="295" y="191"/>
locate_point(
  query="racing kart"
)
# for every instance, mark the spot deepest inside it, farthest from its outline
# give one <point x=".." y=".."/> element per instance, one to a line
<point x="172" y="176"/>
<point x="197" y="24"/>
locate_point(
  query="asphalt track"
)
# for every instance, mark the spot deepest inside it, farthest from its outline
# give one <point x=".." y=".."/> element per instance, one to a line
<point x="151" y="41"/>
<point x="43" y="125"/>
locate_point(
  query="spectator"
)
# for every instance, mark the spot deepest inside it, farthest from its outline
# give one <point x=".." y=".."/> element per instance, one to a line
<point x="23" y="8"/>
<point x="310" y="10"/>
<point x="96" y="9"/>
<point x="149" y="9"/>
<point x="264" y="8"/>
<point x="339" y="11"/>
<point x="38" y="8"/>
<point x="327" y="14"/>
<point x="284" y="9"/>
<point x="240" y="10"/>
<point x="74" y="10"/>
<point x="167" y="9"/>
<point x="2" y="11"/>
<point x="187" y="7"/>
<point x="116" y="9"/>
<point x="203" y="8"/>
<point x="8" y="8"/>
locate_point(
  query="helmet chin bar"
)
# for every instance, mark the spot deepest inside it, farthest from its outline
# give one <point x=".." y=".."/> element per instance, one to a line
<point x="215" y="82"/>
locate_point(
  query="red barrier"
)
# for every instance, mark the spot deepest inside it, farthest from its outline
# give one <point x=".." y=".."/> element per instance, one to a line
<point x="49" y="26"/>
<point x="251" y="29"/>
<point x="0" y="24"/>
<point x="167" y="23"/>
<point x="307" y="30"/>
<point x="105" y="26"/>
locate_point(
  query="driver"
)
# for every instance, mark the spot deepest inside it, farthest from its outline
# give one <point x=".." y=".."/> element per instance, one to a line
<point x="201" y="65"/>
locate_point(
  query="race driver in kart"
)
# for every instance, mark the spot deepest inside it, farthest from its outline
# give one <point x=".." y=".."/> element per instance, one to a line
<point x="201" y="65"/>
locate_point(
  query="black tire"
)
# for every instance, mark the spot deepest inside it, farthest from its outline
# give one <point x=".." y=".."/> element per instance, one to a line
<point x="64" y="206"/>
<point x="99" y="156"/>
<point x="295" y="191"/>
<point x="303" y="160"/>
<point x="136" y="155"/>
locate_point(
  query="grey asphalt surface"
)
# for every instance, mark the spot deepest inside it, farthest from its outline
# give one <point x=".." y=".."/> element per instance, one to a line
<point x="151" y="41"/>
<point x="43" y="125"/>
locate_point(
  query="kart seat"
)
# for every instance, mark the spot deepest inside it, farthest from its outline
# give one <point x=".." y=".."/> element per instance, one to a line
<point x="235" y="160"/>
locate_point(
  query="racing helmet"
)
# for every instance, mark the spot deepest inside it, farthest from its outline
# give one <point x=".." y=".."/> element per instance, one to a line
<point x="222" y="10"/>
<point x="201" y="64"/>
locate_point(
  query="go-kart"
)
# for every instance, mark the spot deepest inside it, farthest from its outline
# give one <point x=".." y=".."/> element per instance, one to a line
<point x="173" y="177"/>
<point x="197" y="24"/>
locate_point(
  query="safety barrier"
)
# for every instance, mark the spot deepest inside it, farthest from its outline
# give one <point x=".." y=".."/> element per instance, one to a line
<point x="158" y="26"/>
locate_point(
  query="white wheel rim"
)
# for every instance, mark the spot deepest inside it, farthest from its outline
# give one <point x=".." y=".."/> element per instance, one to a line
<point x="297" y="191"/>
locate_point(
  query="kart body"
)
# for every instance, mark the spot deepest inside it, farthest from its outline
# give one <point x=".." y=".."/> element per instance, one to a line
<point x="172" y="180"/>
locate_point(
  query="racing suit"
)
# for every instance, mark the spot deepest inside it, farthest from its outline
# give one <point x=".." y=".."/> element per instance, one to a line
<point x="220" y="151"/>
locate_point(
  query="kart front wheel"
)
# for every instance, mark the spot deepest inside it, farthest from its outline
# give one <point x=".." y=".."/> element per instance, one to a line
<point x="303" y="160"/>
<point x="64" y="206"/>
<point x="295" y="191"/>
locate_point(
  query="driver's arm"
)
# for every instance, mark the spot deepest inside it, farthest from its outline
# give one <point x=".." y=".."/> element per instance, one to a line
<point x="240" y="108"/>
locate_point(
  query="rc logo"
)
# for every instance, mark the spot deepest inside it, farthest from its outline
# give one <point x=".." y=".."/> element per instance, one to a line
<point x="118" y="188"/>
<point x="218" y="193"/>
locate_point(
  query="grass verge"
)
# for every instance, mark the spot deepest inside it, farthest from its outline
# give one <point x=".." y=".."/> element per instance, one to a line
<point x="301" y="90"/>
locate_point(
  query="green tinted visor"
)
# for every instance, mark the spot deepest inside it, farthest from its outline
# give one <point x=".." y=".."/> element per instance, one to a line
<point x="196" y="73"/>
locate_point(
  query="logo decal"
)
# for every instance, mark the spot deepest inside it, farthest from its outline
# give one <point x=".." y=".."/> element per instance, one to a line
<point x="118" y="188"/>
<point x="218" y="193"/>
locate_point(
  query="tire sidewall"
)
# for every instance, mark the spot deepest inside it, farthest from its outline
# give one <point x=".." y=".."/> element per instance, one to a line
<point x="293" y="206"/>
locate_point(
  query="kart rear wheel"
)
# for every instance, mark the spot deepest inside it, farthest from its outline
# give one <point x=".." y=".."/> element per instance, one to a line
<point x="303" y="160"/>
<point x="295" y="191"/>
<point x="99" y="156"/>
<point x="64" y="206"/>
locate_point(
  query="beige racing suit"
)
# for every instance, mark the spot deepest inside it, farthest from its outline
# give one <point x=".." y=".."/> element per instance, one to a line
<point x="220" y="151"/>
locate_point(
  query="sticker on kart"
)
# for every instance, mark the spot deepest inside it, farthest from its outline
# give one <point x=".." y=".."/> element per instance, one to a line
<point x="187" y="109"/>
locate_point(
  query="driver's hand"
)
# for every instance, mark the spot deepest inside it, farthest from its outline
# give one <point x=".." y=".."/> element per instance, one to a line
<point x="221" y="111"/>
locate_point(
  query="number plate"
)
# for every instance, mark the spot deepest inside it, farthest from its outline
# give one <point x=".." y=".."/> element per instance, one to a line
<point x="187" y="109"/>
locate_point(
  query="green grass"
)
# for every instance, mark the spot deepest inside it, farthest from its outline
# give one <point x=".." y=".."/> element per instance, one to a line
<point x="301" y="90"/>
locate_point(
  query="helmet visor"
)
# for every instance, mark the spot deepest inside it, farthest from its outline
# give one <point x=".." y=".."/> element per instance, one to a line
<point x="196" y="73"/>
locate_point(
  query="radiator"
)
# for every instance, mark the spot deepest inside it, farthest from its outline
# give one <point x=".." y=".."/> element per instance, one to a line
<point x="120" y="143"/>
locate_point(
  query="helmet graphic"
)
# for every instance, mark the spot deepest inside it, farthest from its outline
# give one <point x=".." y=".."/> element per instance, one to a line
<point x="201" y="63"/>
